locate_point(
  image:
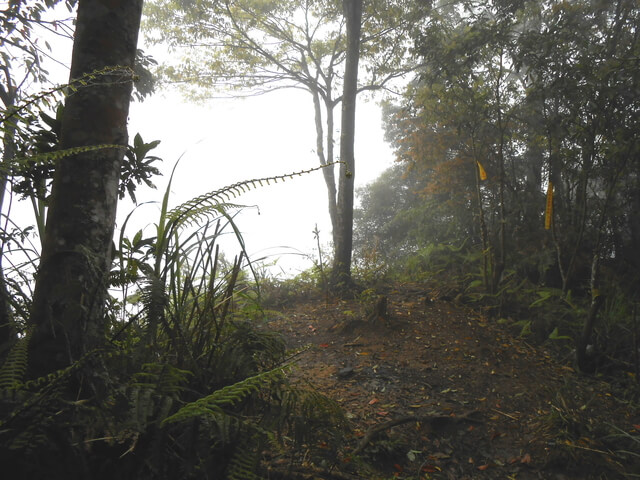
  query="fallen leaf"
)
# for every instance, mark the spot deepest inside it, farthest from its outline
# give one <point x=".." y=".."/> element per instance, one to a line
<point x="526" y="458"/>
<point x="430" y="469"/>
<point x="324" y="345"/>
<point x="373" y="401"/>
<point x="382" y="413"/>
<point x="637" y="427"/>
<point x="438" y="456"/>
<point x="398" y="467"/>
<point x="483" y="467"/>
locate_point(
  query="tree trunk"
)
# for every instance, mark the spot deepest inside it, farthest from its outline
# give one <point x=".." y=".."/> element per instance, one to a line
<point x="68" y="307"/>
<point x="329" y="107"/>
<point x="341" y="273"/>
<point x="585" y="364"/>
<point x="7" y="327"/>
<point x="328" y="172"/>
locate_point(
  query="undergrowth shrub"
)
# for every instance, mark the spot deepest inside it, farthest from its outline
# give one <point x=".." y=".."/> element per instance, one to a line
<point x="572" y="425"/>
<point x="452" y="267"/>
<point x="529" y="308"/>
<point x="189" y="383"/>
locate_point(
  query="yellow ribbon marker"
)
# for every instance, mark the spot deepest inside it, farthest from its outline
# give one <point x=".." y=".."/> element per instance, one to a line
<point x="548" y="214"/>
<point x="481" y="172"/>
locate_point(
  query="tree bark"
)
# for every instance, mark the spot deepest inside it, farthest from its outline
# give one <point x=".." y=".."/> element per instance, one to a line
<point x="328" y="172"/>
<point x="67" y="317"/>
<point x="341" y="273"/>
<point x="7" y="327"/>
<point x="584" y="362"/>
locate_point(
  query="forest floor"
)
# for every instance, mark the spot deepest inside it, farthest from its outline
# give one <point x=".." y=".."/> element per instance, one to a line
<point x="438" y="391"/>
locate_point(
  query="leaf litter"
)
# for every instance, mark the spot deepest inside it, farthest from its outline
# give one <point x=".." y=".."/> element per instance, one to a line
<point x="439" y="391"/>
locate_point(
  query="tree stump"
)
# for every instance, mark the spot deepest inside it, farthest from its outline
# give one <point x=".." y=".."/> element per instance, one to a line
<point x="379" y="313"/>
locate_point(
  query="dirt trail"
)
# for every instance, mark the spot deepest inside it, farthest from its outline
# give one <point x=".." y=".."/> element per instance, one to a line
<point x="438" y="391"/>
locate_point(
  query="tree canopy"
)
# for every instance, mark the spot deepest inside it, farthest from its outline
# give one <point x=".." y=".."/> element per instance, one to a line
<point x="252" y="47"/>
<point x="522" y="124"/>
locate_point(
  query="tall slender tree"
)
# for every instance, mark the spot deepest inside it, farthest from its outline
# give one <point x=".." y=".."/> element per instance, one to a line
<point x="67" y="313"/>
<point x="341" y="272"/>
<point x="20" y="68"/>
<point x="249" y="47"/>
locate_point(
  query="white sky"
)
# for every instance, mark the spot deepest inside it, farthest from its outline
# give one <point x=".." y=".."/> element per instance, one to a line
<point x="227" y="141"/>
<point x="230" y="140"/>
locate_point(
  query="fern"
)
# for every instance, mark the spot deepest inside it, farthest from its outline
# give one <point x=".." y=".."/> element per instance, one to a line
<point x="58" y="154"/>
<point x="165" y="379"/>
<point x="118" y="75"/>
<point x="225" y="397"/>
<point x="217" y="201"/>
<point x="305" y="413"/>
<point x="140" y="407"/>
<point x="12" y="372"/>
<point x="245" y="459"/>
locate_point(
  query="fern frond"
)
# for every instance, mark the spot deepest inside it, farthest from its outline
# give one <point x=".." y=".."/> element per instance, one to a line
<point x="118" y="74"/>
<point x="218" y="199"/>
<point x="12" y="372"/>
<point x="244" y="461"/>
<point x="226" y="396"/>
<point x="58" y="154"/>
<point x="304" y="413"/>
<point x="165" y="379"/>
<point x="154" y="298"/>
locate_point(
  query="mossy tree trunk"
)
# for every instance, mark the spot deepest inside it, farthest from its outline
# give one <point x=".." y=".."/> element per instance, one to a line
<point x="67" y="316"/>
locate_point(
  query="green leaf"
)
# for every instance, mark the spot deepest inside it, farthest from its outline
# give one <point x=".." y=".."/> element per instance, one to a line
<point x="555" y="335"/>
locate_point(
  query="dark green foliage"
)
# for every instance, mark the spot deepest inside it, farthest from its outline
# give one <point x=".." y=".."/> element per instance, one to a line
<point x="37" y="153"/>
<point x="384" y="222"/>
<point x="137" y="167"/>
<point x="533" y="92"/>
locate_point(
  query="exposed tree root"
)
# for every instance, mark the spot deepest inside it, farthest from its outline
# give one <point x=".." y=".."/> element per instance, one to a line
<point x="435" y="421"/>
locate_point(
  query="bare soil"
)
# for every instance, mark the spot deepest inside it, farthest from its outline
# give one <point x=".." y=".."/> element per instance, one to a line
<point x="435" y="390"/>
